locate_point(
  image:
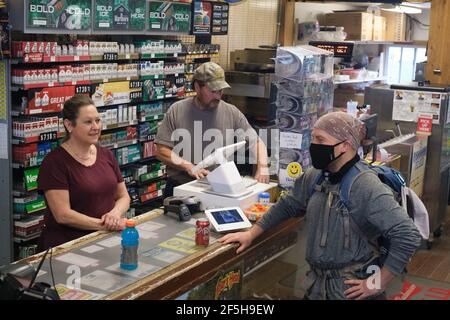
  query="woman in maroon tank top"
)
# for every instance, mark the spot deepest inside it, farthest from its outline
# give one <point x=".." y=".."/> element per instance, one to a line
<point x="81" y="181"/>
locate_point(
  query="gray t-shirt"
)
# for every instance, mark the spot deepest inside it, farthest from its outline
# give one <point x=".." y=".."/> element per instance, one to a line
<point x="193" y="133"/>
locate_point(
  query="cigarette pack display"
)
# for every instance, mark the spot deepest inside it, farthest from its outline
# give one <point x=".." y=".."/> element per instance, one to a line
<point x="149" y="111"/>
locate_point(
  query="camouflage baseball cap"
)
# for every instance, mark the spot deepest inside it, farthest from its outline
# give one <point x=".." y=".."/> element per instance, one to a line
<point x="213" y="75"/>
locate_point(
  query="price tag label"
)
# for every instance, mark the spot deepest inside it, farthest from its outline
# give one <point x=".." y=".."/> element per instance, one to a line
<point x="136" y="84"/>
<point x="46" y="136"/>
<point x="110" y="56"/>
<point x="80" y="89"/>
<point x="136" y="96"/>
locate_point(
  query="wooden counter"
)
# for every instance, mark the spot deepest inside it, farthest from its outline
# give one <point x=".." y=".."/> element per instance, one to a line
<point x="185" y="274"/>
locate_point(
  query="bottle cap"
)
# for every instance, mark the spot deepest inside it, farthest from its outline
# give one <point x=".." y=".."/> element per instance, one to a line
<point x="264" y="195"/>
<point x="131" y="223"/>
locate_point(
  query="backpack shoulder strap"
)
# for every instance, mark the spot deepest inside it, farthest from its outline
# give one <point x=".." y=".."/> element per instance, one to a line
<point x="349" y="178"/>
<point x="316" y="184"/>
<point x="344" y="193"/>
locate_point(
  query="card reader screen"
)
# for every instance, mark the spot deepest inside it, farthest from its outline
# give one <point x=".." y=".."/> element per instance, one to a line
<point x="227" y="216"/>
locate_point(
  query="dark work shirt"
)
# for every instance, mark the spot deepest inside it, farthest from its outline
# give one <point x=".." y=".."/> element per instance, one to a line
<point x="92" y="190"/>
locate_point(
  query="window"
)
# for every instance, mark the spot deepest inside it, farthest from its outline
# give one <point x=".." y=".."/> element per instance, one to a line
<point x="401" y="63"/>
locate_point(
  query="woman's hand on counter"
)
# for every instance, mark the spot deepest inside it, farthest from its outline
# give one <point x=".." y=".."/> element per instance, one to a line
<point x="113" y="220"/>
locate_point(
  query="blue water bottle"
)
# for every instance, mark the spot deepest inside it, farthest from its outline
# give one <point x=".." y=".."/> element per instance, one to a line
<point x="130" y="243"/>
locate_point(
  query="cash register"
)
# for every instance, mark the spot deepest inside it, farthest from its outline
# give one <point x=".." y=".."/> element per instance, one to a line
<point x="224" y="186"/>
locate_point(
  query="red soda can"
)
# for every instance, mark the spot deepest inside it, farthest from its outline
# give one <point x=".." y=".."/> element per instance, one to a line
<point x="202" y="232"/>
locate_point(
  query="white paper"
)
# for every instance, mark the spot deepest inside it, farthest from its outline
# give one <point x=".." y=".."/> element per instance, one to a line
<point x="110" y="242"/>
<point x="291" y="140"/>
<point x="76" y="259"/>
<point x="407" y="105"/>
<point x="150" y="226"/>
<point x="148" y="234"/>
<point x="163" y="255"/>
<point x="3" y="141"/>
<point x="142" y="270"/>
<point x="92" y="249"/>
<point x="105" y="281"/>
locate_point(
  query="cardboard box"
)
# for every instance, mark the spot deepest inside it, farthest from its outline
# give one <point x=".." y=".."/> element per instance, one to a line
<point x="395" y="26"/>
<point x="357" y="25"/>
<point x="379" y="28"/>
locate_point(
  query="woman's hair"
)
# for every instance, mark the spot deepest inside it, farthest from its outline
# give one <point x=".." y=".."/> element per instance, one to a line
<point x="72" y="107"/>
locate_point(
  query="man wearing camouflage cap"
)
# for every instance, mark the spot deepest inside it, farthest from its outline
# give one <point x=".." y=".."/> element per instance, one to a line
<point x="205" y="112"/>
<point x="344" y="264"/>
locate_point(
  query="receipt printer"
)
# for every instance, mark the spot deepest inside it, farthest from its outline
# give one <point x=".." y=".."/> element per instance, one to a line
<point x="181" y="207"/>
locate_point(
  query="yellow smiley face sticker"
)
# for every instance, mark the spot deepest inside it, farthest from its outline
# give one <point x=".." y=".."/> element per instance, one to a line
<point x="294" y="170"/>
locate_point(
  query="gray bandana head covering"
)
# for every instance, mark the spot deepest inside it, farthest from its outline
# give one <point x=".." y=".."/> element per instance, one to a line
<point x="343" y="127"/>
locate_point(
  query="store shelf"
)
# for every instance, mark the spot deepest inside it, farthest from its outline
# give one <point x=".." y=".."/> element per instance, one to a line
<point x="23" y="193"/>
<point x="413" y="43"/>
<point x="36" y="139"/>
<point x="142" y="160"/>
<point x="119" y="125"/>
<point x="20" y="239"/>
<point x="353" y="81"/>
<point x="155" y="196"/>
<point x="51" y="84"/>
<point x="16" y="165"/>
<point x="190" y="94"/>
<point x="27" y="112"/>
<point x="151" y="176"/>
<point x="152" y="118"/>
<point x="121" y="144"/>
<point x="201" y="55"/>
<point x="151" y="137"/>
<point x="144" y="56"/>
<point x="40" y="58"/>
<point x="121" y="56"/>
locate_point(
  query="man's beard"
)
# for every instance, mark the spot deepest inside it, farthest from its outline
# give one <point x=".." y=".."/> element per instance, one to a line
<point x="213" y="104"/>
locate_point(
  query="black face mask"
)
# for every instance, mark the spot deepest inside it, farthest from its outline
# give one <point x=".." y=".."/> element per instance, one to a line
<point x="322" y="154"/>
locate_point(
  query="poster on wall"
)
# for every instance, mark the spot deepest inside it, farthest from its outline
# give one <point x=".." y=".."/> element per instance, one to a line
<point x="58" y="14"/>
<point x="408" y="105"/>
<point x="119" y="15"/>
<point x="201" y="18"/>
<point x="219" y="22"/>
<point x="169" y="17"/>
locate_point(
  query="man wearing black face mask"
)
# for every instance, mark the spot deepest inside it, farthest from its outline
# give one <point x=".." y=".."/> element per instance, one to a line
<point x="341" y="258"/>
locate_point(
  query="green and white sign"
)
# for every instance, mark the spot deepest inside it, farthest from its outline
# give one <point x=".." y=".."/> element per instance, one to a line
<point x="59" y="14"/>
<point x="30" y="176"/>
<point x="119" y="14"/>
<point x="168" y="16"/>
